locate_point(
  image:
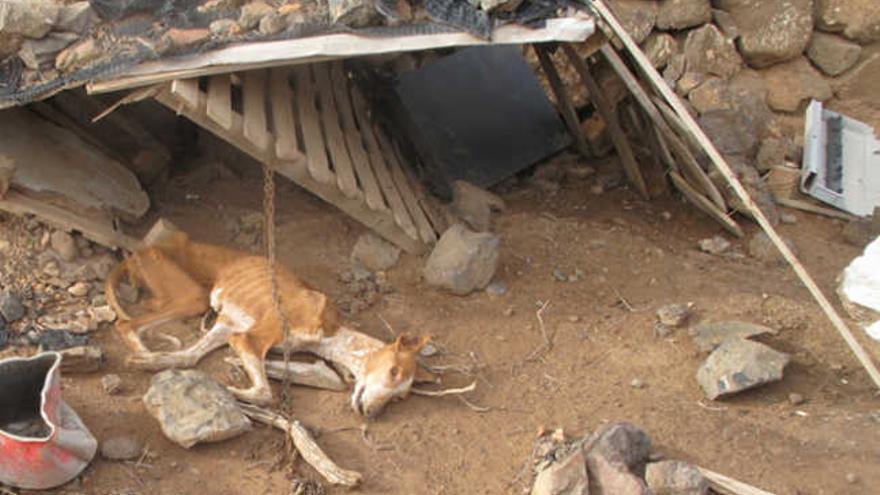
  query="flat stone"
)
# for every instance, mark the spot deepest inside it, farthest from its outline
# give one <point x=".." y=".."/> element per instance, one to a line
<point x="565" y="477"/>
<point x="773" y="32"/>
<point x="713" y="94"/>
<point x="730" y="131"/>
<point x="474" y="205"/>
<point x="192" y="408"/>
<point x="122" y="448"/>
<point x="111" y="383"/>
<point x="708" y="336"/>
<point x="673" y="315"/>
<point x="676" y="478"/>
<point x="792" y="84"/>
<point x="738" y="365"/>
<point x="30" y="18"/>
<point x="660" y="47"/>
<point x="623" y="443"/>
<point x="857" y="19"/>
<point x="636" y="16"/>
<point x="714" y="245"/>
<point x="63" y="244"/>
<point x="11" y="307"/>
<point x="374" y="253"/>
<point x="682" y="14"/>
<point x="832" y="54"/>
<point x="462" y="261"/>
<point x="674" y="69"/>
<point x="707" y="50"/>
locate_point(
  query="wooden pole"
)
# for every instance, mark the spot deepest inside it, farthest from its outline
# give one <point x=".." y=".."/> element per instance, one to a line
<point x="566" y="107"/>
<point x="660" y="85"/>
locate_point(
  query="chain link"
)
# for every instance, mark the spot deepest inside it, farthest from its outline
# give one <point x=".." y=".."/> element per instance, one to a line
<point x="271" y="255"/>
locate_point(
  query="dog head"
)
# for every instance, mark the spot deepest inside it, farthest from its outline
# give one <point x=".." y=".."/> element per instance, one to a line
<point x="389" y="374"/>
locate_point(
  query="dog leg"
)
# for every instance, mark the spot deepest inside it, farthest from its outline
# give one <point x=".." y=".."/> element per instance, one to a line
<point x="260" y="393"/>
<point x="187" y="358"/>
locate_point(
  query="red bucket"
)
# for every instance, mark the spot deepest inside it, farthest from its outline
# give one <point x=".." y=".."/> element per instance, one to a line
<point x="43" y="442"/>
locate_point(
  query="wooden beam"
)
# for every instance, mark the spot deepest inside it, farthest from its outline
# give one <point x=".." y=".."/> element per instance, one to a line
<point x="660" y="85"/>
<point x="627" y="158"/>
<point x="566" y="107"/>
<point x="704" y="204"/>
<point x="729" y="486"/>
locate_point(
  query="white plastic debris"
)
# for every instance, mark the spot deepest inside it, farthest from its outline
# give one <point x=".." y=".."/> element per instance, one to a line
<point x="859" y="288"/>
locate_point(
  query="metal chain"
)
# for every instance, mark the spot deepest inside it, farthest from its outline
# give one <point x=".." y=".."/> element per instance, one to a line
<point x="269" y="233"/>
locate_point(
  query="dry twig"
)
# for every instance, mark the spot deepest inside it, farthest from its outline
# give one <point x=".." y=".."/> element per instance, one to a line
<point x="548" y="338"/>
<point x="447" y="391"/>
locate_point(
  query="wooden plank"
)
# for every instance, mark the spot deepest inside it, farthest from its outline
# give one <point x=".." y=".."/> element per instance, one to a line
<point x="256" y="128"/>
<point x="431" y="207"/>
<point x="98" y="230"/>
<point x="409" y="198"/>
<point x="219" y="106"/>
<point x="313" y="140"/>
<point x="187" y="91"/>
<point x="630" y="166"/>
<point x="334" y="138"/>
<point x="802" y="205"/>
<point x="383" y="223"/>
<point x="688" y="161"/>
<point x="704" y="204"/>
<point x="283" y="120"/>
<point x="729" y="486"/>
<point x="354" y="140"/>
<point x="380" y="167"/>
<point x="657" y="80"/>
<point x="566" y="107"/>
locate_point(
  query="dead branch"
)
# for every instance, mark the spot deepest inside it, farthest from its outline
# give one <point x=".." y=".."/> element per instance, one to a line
<point x="305" y="444"/>
<point x="548" y="339"/>
<point x="472" y="406"/>
<point x="441" y="393"/>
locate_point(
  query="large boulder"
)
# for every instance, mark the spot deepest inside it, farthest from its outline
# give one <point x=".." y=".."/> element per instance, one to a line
<point x="832" y="54"/>
<point x="462" y="261"/>
<point x="636" y="16"/>
<point x="790" y="85"/>
<point x="623" y="443"/>
<point x="857" y="19"/>
<point x="683" y="14"/>
<point x="738" y="365"/>
<point x="193" y="408"/>
<point x="707" y="50"/>
<point x="772" y="32"/>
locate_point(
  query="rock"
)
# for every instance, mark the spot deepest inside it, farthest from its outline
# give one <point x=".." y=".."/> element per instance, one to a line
<point x="30" y="18"/>
<point x="565" y="477"/>
<point x="676" y="478"/>
<point x="831" y="54"/>
<point x="857" y="19"/>
<point x="708" y="336"/>
<point x="689" y="81"/>
<point x="748" y="92"/>
<point x="674" y="69"/>
<point x="738" y="365"/>
<point x="852" y="478"/>
<point x="10" y="44"/>
<point x="82" y="359"/>
<point x="713" y="94"/>
<point x="374" y="253"/>
<point x="773" y="32"/>
<point x="39" y="53"/>
<point x="730" y="131"/>
<point x="64" y="245"/>
<point x="78" y="55"/>
<point x="859" y="84"/>
<point x="682" y="14"/>
<point x="796" y="399"/>
<point x="77" y="17"/>
<point x="475" y="205"/>
<point x="761" y="248"/>
<point x="224" y="27"/>
<point x="862" y="231"/>
<point x="660" y="47"/>
<point x="726" y="23"/>
<point x="111" y="383"/>
<point x="192" y="408"/>
<point x="273" y="24"/>
<point x="636" y="16"/>
<point x="706" y="50"/>
<point x="462" y="261"/>
<point x="122" y="448"/>
<point x="79" y="289"/>
<point x="353" y="13"/>
<point x="496" y="289"/>
<point x="771" y="154"/>
<point x="176" y="39"/>
<point x="102" y="314"/>
<point x="673" y="315"/>
<point x="637" y="383"/>
<point x="793" y="83"/>
<point x="56" y="340"/>
<point x="611" y="478"/>
<point x="715" y="245"/>
<point x="10" y="307"/>
<point x="252" y="13"/>
<point x="102" y="265"/>
<point x="117" y="9"/>
<point x="622" y="443"/>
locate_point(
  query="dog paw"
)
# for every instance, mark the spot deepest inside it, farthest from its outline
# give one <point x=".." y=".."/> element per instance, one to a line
<point x="252" y="396"/>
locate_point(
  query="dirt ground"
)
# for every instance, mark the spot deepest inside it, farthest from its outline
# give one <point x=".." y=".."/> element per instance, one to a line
<point x="629" y="250"/>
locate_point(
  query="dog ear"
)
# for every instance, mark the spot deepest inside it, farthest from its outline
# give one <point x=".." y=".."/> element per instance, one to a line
<point x="411" y="343"/>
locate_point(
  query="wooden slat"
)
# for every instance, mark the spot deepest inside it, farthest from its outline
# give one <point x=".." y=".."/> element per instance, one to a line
<point x="187" y="91"/>
<point x="409" y="198"/>
<point x="380" y="167"/>
<point x="334" y="138"/>
<point x="359" y="157"/>
<point x="283" y="120"/>
<point x="704" y="204"/>
<point x="566" y="107"/>
<point x="313" y="140"/>
<point x="431" y="208"/>
<point x="630" y="166"/>
<point x="220" y="101"/>
<point x="255" y="124"/>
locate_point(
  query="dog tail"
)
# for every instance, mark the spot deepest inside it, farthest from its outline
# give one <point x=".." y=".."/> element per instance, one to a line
<point x="110" y="289"/>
